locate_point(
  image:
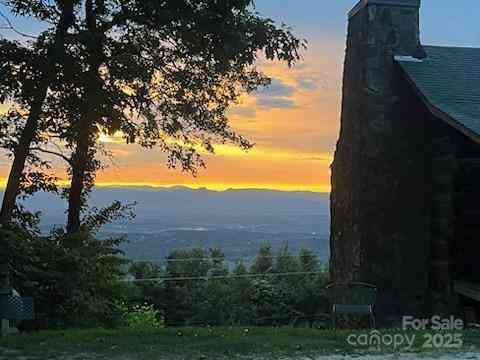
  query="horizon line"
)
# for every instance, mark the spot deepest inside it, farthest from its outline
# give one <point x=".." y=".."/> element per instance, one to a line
<point x="222" y="188"/>
<point x="211" y="187"/>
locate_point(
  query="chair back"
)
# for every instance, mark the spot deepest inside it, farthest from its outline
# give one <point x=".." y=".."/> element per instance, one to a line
<point x="15" y="307"/>
<point x="354" y="293"/>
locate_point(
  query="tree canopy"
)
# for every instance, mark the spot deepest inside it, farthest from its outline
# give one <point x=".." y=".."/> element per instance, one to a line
<point x="161" y="73"/>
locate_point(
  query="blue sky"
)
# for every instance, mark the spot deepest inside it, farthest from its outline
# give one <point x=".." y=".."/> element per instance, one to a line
<point x="444" y="22"/>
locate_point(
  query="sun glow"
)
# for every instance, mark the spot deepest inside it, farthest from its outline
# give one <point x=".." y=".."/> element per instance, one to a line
<point x="3" y="108"/>
<point x="271" y="153"/>
<point x="224" y="187"/>
<point x="209" y="186"/>
<point x="117" y="138"/>
<point x="294" y="125"/>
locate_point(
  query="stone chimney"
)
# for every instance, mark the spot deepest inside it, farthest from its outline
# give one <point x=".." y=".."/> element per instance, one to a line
<point x="379" y="29"/>
<point x="375" y="236"/>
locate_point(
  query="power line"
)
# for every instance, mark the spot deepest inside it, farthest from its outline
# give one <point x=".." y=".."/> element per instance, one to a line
<point x="167" y="260"/>
<point x="244" y="276"/>
<point x="12" y="28"/>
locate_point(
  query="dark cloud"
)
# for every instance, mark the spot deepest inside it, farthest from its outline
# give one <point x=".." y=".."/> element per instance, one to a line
<point x="311" y="83"/>
<point x="275" y="103"/>
<point x="244" y="111"/>
<point x="307" y="83"/>
<point x="276" y="96"/>
<point x="276" y="89"/>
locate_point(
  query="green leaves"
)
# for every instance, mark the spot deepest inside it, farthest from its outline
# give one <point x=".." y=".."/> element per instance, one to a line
<point x="19" y="70"/>
<point x="72" y="279"/>
<point x="140" y="317"/>
<point x="40" y="9"/>
<point x="164" y="73"/>
<point x="196" y="287"/>
<point x="96" y="219"/>
<point x="178" y="63"/>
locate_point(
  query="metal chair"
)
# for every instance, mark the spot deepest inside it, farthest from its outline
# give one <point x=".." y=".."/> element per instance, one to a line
<point x="14" y="308"/>
<point x="355" y="298"/>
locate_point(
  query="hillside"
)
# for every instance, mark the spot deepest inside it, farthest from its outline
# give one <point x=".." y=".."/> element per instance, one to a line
<point x="238" y="221"/>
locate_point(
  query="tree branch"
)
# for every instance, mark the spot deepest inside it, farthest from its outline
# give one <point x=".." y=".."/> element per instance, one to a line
<point x="67" y="159"/>
<point x="11" y="27"/>
<point x="90" y="16"/>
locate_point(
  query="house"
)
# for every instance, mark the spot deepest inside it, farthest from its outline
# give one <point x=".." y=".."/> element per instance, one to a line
<point x="406" y="175"/>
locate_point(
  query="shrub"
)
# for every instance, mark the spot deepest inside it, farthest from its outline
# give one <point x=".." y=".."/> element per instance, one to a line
<point x="72" y="278"/>
<point x="207" y="292"/>
<point x="140" y="317"/>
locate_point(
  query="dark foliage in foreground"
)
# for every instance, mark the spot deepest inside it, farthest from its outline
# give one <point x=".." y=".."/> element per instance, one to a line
<point x="196" y="287"/>
<point x="80" y="281"/>
<point x="71" y="277"/>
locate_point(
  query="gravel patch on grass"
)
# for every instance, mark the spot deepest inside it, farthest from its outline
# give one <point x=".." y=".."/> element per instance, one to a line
<point x="15" y="355"/>
<point x="449" y="356"/>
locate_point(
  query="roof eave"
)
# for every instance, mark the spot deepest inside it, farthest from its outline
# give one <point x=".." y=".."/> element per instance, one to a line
<point x="434" y="110"/>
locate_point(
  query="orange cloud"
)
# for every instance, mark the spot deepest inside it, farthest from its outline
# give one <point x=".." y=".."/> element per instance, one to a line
<point x="294" y="125"/>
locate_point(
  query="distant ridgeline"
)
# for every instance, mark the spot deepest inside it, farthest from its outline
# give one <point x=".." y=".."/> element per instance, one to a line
<point x="238" y="221"/>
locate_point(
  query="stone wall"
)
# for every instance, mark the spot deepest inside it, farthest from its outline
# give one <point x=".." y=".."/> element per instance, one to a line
<point x="381" y="192"/>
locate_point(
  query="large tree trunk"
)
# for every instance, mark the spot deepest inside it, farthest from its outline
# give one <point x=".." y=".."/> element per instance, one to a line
<point x="75" y="201"/>
<point x="83" y="160"/>
<point x="81" y="169"/>
<point x="28" y="134"/>
<point x="83" y="164"/>
<point x="20" y="156"/>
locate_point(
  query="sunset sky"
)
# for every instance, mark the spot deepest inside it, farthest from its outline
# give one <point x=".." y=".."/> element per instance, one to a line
<point x="295" y="122"/>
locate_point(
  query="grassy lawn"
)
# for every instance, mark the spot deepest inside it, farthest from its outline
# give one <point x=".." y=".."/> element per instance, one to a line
<point x="195" y="343"/>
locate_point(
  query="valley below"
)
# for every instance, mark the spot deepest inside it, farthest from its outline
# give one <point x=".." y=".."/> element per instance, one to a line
<point x="236" y="221"/>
